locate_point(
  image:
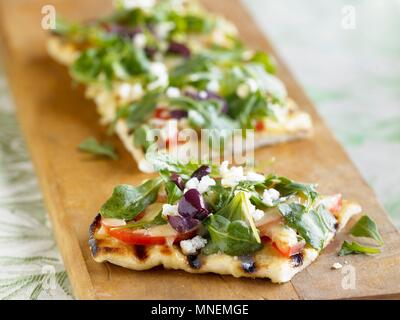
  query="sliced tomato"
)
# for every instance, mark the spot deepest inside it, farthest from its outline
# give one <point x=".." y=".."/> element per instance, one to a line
<point x="163" y="234"/>
<point x="162" y="113"/>
<point x="260" y="126"/>
<point x="333" y="203"/>
<point x="289" y="251"/>
<point x="274" y="231"/>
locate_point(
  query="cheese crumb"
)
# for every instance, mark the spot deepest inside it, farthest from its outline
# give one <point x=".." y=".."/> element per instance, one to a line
<point x="205" y="183"/>
<point x="201" y="186"/>
<point x="269" y="196"/>
<point x="255" y="177"/>
<point x="139" y="41"/>
<point x="337" y="266"/>
<point x="173" y="92"/>
<point x="169" y="210"/>
<point x="192" y="245"/>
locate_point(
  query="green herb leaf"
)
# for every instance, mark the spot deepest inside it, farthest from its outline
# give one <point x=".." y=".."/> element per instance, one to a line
<point x="366" y="227"/>
<point x="313" y="225"/>
<point x="354" y="247"/>
<point x="232" y="229"/>
<point x="157" y="221"/>
<point x="172" y="190"/>
<point x="164" y="161"/>
<point x="287" y="187"/>
<point x="91" y="145"/>
<point x="142" y="110"/>
<point x="233" y="238"/>
<point x="127" y="201"/>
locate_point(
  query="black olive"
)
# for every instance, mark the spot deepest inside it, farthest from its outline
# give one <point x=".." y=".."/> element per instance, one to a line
<point x="297" y="260"/>
<point x="194" y="261"/>
<point x="248" y="264"/>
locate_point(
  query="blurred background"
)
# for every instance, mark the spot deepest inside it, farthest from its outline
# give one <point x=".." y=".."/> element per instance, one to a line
<point x="346" y="54"/>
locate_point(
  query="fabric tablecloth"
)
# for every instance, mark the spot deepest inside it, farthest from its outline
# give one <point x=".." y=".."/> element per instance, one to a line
<point x="345" y="53"/>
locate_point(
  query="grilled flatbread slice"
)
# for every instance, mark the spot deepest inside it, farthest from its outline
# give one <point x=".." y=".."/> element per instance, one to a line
<point x="202" y="87"/>
<point x="271" y="241"/>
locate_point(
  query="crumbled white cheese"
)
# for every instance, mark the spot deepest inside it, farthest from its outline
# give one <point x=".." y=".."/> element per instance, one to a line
<point x="169" y="210"/>
<point x="201" y="186"/>
<point x="203" y="95"/>
<point x="255" y="177"/>
<point x="131" y="4"/>
<point x="129" y="92"/>
<point x="258" y="214"/>
<point x="112" y="222"/>
<point x="232" y="177"/>
<point x="173" y="92"/>
<point x="243" y="90"/>
<point x="163" y="29"/>
<point x="205" y="183"/>
<point x="192" y="183"/>
<point x="192" y="245"/>
<point x="337" y="266"/>
<point x="269" y="196"/>
<point x="253" y="86"/>
<point x="213" y="86"/>
<point x="159" y="70"/>
<point x="139" y="41"/>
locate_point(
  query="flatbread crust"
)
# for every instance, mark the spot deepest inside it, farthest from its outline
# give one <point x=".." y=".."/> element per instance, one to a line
<point x="268" y="262"/>
<point x="297" y="126"/>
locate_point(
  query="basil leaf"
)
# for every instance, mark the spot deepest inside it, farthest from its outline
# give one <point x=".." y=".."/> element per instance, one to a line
<point x="91" y="145"/>
<point x="354" y="247"/>
<point x="127" y="201"/>
<point x="233" y="238"/>
<point x="313" y="225"/>
<point x="366" y="227"/>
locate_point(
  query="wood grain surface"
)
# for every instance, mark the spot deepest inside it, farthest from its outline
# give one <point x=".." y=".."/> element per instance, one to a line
<point x="55" y="117"/>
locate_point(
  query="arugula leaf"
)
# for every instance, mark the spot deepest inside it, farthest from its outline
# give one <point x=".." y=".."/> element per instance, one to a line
<point x="233" y="238"/>
<point x="354" y="247"/>
<point x="232" y="229"/>
<point x="116" y="59"/>
<point x="366" y="227"/>
<point x="143" y="137"/>
<point x="172" y="190"/>
<point x="287" y="187"/>
<point x="264" y="59"/>
<point x="164" y="161"/>
<point x="313" y="225"/>
<point x="91" y="145"/>
<point x="218" y="197"/>
<point x="138" y="112"/>
<point x="157" y="221"/>
<point x="127" y="201"/>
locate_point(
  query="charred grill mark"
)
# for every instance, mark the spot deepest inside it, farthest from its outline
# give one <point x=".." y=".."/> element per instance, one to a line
<point x="194" y="261"/>
<point x="92" y="230"/>
<point x="140" y="252"/>
<point x="336" y="225"/>
<point x="248" y="264"/>
<point x="110" y="249"/>
<point x="297" y="259"/>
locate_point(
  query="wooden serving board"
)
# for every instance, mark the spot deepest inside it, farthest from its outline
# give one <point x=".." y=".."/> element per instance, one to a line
<point x="55" y="118"/>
